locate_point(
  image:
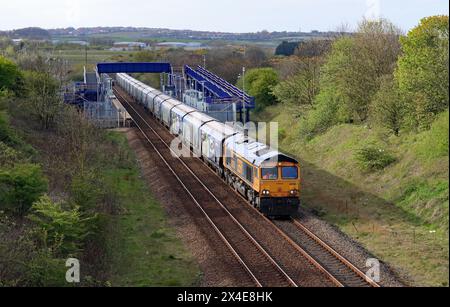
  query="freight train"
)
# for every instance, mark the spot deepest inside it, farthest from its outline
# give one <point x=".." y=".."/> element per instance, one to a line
<point x="267" y="178"/>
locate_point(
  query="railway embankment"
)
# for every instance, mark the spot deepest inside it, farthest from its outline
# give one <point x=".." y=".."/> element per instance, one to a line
<point x="399" y="213"/>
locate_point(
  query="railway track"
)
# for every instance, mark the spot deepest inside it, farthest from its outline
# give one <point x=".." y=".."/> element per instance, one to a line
<point x="253" y="258"/>
<point x="330" y="263"/>
<point x="342" y="269"/>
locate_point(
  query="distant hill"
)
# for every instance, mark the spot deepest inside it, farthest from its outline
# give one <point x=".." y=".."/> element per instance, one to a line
<point x="162" y="33"/>
<point x="29" y="33"/>
<point x="137" y="34"/>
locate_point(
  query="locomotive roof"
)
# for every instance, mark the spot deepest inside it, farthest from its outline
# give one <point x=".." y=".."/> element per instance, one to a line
<point x="255" y="152"/>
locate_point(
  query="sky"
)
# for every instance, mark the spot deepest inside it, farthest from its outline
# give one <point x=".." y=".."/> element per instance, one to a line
<point x="215" y="15"/>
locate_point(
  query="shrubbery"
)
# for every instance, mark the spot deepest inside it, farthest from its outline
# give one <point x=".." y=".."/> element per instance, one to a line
<point x="20" y="187"/>
<point x="62" y="230"/>
<point x="325" y="114"/>
<point x="259" y="83"/>
<point x="373" y="158"/>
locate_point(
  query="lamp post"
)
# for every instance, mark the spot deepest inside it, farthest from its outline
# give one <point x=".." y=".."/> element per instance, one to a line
<point x="243" y="95"/>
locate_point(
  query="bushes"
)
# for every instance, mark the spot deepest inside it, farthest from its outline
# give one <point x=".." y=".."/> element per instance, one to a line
<point x="10" y="76"/>
<point x="7" y="136"/>
<point x="62" y="231"/>
<point x="8" y="156"/>
<point x="373" y="158"/>
<point x="327" y="112"/>
<point x="23" y="263"/>
<point x="259" y="82"/>
<point x="20" y="187"/>
<point x="86" y="190"/>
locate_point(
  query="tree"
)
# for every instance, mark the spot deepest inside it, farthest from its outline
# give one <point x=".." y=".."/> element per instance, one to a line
<point x="10" y="77"/>
<point x="259" y="83"/>
<point x="300" y="89"/>
<point x="313" y="48"/>
<point x="286" y="48"/>
<point x="422" y="71"/>
<point x="255" y="57"/>
<point x="43" y="96"/>
<point x="387" y="108"/>
<point x="226" y="63"/>
<point x="355" y="65"/>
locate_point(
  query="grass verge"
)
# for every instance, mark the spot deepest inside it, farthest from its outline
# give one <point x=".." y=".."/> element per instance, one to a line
<point x="143" y="248"/>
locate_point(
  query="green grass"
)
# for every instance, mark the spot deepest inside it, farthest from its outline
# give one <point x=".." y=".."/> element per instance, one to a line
<point x="400" y="212"/>
<point x="144" y="249"/>
<point x="78" y="56"/>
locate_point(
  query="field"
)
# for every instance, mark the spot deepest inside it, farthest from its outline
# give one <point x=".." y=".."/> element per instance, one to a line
<point x="78" y="56"/>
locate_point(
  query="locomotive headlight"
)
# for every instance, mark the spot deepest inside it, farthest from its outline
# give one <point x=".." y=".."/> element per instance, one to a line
<point x="266" y="192"/>
<point x="294" y="192"/>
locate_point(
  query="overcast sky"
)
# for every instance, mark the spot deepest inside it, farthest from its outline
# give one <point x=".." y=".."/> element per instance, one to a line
<point x="214" y="15"/>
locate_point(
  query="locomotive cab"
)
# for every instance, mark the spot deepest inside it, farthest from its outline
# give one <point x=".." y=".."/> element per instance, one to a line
<point x="279" y="186"/>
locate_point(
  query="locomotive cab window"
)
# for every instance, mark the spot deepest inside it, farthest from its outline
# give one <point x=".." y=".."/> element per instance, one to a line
<point x="269" y="173"/>
<point x="289" y="172"/>
<point x="228" y="157"/>
<point x="248" y="172"/>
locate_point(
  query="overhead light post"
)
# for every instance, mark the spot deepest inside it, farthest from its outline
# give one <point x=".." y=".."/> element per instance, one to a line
<point x="243" y="95"/>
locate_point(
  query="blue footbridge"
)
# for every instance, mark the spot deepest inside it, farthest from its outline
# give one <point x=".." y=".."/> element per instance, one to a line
<point x="213" y="94"/>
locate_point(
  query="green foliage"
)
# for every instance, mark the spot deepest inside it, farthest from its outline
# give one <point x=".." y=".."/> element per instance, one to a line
<point x="422" y="71"/>
<point x="20" y="187"/>
<point x="10" y="76"/>
<point x="434" y="143"/>
<point x="86" y="190"/>
<point x="23" y="262"/>
<point x="286" y="48"/>
<point x="45" y="270"/>
<point x="7" y="135"/>
<point x="43" y="96"/>
<point x="62" y="231"/>
<point x="388" y="108"/>
<point x="259" y="83"/>
<point x="323" y="116"/>
<point x="8" y="155"/>
<point x="14" y="147"/>
<point x="302" y="88"/>
<point x="355" y="65"/>
<point x="145" y="56"/>
<point x="373" y="158"/>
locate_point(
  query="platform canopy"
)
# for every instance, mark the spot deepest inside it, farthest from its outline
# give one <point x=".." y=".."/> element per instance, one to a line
<point x="110" y="68"/>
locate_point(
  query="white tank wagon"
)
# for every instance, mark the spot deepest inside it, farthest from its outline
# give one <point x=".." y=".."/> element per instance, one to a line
<point x="177" y="115"/>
